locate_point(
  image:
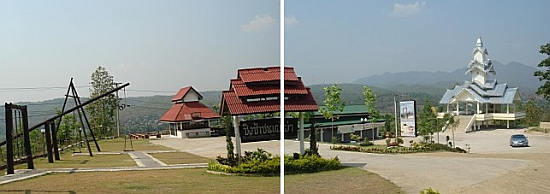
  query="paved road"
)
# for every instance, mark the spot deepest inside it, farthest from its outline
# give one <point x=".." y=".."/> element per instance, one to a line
<point x="214" y="146"/>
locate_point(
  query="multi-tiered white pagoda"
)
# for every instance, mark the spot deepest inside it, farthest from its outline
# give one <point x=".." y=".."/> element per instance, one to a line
<point x="483" y="100"/>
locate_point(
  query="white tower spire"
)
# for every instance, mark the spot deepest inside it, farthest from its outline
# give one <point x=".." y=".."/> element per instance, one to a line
<point x="480" y="66"/>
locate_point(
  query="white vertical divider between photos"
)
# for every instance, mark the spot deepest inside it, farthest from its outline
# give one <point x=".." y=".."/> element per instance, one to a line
<point x="282" y="93"/>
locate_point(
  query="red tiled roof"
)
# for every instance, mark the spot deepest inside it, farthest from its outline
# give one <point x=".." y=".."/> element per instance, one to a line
<point x="242" y="90"/>
<point x="238" y="106"/>
<point x="182" y="92"/>
<point x="266" y="74"/>
<point x="188" y="111"/>
<point x="301" y="103"/>
<point x="258" y="82"/>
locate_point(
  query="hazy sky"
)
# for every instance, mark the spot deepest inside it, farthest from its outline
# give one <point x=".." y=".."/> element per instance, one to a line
<point x="165" y="45"/>
<point x="341" y="41"/>
<point x="155" y="45"/>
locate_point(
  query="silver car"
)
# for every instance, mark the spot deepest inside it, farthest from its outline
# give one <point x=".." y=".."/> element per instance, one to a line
<point x="519" y="140"/>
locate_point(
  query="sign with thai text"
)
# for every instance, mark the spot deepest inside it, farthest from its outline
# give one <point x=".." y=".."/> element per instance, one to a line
<point x="267" y="129"/>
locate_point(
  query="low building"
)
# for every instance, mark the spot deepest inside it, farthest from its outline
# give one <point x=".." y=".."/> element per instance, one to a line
<point x="188" y="117"/>
<point x="483" y="100"/>
<point x="354" y="119"/>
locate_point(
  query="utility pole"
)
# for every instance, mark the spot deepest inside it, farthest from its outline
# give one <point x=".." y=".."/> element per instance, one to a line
<point x="117" y="112"/>
<point x="395" y="111"/>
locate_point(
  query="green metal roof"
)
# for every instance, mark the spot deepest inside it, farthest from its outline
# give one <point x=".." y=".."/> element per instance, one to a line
<point x="349" y="109"/>
<point x="335" y="123"/>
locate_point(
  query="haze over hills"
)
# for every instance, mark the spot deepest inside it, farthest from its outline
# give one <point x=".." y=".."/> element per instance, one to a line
<point x="514" y="73"/>
<point x="144" y="112"/>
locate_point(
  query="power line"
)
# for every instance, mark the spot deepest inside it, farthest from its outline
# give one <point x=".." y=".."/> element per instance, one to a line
<point x="43" y="88"/>
<point x="144" y="90"/>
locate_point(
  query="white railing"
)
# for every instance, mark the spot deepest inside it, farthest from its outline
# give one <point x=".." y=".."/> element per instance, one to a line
<point x="500" y="116"/>
<point x="469" y="126"/>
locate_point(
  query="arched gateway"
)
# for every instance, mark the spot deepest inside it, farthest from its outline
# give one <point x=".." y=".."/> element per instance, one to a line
<point x="257" y="91"/>
<point x="483" y="100"/>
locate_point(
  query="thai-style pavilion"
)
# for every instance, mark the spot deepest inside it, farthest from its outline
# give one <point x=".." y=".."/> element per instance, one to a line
<point x="483" y="98"/>
<point x="257" y="91"/>
<point x="188" y="117"/>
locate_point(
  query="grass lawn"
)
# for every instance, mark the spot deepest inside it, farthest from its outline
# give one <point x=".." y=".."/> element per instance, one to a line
<point x="156" y="181"/>
<point x="180" y="158"/>
<point x="346" y="180"/>
<point x="112" y="145"/>
<point x="117" y="145"/>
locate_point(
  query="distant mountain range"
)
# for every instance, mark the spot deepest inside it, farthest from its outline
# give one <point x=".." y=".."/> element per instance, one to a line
<point x="514" y="73"/>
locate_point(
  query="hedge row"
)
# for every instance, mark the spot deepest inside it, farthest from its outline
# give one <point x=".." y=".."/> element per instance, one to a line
<point x="398" y="149"/>
<point x="270" y="167"/>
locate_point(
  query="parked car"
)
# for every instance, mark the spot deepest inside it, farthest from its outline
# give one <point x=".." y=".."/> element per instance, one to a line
<point x="519" y="140"/>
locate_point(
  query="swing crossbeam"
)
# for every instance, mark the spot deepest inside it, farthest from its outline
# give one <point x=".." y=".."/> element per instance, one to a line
<point x="50" y="129"/>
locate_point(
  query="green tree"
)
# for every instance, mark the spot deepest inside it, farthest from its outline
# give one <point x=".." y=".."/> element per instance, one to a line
<point x="451" y="122"/>
<point x="533" y="113"/>
<point x="545" y="73"/>
<point x="226" y="122"/>
<point x="67" y="125"/>
<point x="370" y="102"/>
<point x="427" y="121"/>
<point x="102" y="111"/>
<point x="332" y="104"/>
<point x="389" y="124"/>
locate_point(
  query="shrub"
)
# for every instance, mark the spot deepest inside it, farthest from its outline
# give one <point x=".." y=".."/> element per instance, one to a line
<point x="263" y="163"/>
<point x="366" y="143"/>
<point x="334" y="140"/>
<point x="416" y="148"/>
<point x="354" y="137"/>
<point x="429" y="191"/>
<point x="400" y="140"/>
<point x="310" y="163"/>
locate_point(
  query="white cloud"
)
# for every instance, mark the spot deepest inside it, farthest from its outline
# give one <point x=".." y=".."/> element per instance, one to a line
<point x="402" y="10"/>
<point x="289" y="20"/>
<point x="259" y="23"/>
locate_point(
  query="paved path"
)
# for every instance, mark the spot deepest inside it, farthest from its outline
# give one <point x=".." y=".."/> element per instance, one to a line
<point x="211" y="147"/>
<point x="145" y="160"/>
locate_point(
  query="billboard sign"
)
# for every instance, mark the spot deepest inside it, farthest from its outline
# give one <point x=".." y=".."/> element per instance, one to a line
<point x="267" y="129"/>
<point x="407" y="115"/>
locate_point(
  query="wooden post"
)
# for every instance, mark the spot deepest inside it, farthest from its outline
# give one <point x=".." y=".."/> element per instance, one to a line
<point x="48" y="142"/>
<point x="54" y="141"/>
<point x="78" y="102"/>
<point x="301" y="133"/>
<point x="26" y="138"/>
<point x="9" y="137"/>
<point x="237" y="138"/>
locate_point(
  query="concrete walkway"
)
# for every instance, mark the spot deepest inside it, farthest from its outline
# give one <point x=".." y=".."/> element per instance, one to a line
<point x="143" y="160"/>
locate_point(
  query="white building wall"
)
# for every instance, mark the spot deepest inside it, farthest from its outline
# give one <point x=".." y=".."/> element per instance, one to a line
<point x="191" y="96"/>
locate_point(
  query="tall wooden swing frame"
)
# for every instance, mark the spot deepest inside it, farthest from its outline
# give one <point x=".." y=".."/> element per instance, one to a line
<point x="50" y="128"/>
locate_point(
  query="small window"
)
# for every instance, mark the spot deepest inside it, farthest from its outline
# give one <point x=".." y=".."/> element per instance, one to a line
<point x="196" y="114"/>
